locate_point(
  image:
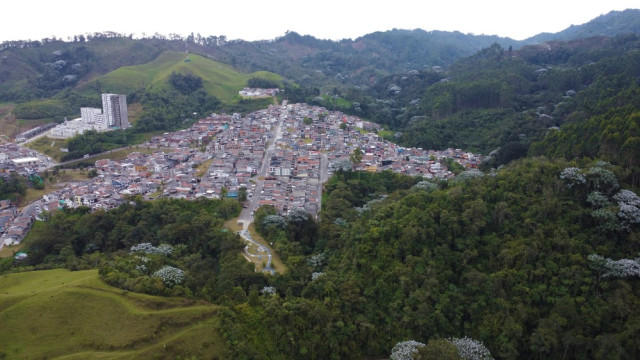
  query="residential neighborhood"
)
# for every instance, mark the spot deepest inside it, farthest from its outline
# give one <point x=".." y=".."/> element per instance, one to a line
<point x="282" y="155"/>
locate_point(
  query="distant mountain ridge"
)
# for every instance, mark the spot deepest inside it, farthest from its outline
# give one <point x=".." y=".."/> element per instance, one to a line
<point x="610" y="24"/>
<point x="50" y="68"/>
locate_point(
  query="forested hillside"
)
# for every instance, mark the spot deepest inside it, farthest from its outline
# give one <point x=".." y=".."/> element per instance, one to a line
<point x="506" y="100"/>
<point x="522" y="259"/>
<point x="33" y="69"/>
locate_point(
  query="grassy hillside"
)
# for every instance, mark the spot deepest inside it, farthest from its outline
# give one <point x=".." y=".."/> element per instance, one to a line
<point x="220" y="80"/>
<point x="74" y="315"/>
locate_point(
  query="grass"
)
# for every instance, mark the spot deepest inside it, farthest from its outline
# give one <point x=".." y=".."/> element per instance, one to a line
<point x="133" y="111"/>
<point x="219" y="79"/>
<point x="202" y="169"/>
<point x="74" y="315"/>
<point x="123" y="153"/>
<point x="48" y="146"/>
<point x="8" y="123"/>
<point x="10" y="250"/>
<point x="233" y="225"/>
<point x="276" y="262"/>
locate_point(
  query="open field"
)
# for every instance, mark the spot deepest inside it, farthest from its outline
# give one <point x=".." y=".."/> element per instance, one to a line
<point x="74" y="315"/>
<point x="48" y="146"/>
<point x="10" y="250"/>
<point x="133" y="111"/>
<point x="203" y="168"/>
<point x="219" y="79"/>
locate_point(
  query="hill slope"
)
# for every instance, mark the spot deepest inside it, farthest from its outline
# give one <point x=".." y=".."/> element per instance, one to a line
<point x="219" y="79"/>
<point x="74" y="315"/>
<point x="610" y="24"/>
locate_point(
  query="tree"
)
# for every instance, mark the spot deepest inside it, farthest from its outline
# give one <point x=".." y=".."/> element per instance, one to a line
<point x="223" y="192"/>
<point x="257" y="82"/>
<point x="356" y="156"/>
<point x="242" y="194"/>
<point x="405" y="350"/>
<point x="186" y="84"/>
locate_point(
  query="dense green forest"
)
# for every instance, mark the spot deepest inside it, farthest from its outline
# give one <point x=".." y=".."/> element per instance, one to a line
<point x="506" y="258"/>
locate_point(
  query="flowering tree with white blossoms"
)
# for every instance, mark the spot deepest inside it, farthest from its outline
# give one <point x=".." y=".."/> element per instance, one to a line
<point x="469" y="174"/>
<point x="622" y="268"/>
<point x="603" y="185"/>
<point x="405" y="350"/>
<point x="297" y="215"/>
<point x="425" y="185"/>
<point x="147" y="248"/>
<point x="470" y="349"/>
<point x="170" y="275"/>
<point x="316" y="275"/>
<point x="573" y="176"/>
<point x="629" y="204"/>
<point x="276" y="221"/>
<point x="268" y="290"/>
<point x="317" y="261"/>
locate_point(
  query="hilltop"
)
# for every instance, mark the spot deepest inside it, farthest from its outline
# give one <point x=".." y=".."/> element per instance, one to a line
<point x="219" y="80"/>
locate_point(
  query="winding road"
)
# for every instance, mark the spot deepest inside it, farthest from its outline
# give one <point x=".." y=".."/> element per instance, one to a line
<point x="247" y="237"/>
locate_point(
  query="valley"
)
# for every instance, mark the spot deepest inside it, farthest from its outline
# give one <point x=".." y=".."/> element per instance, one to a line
<point x="407" y="194"/>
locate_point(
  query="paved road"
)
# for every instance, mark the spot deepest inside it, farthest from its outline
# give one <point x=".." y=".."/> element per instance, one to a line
<point x="94" y="155"/>
<point x="323" y="177"/>
<point x="246" y="216"/>
<point x="247" y="237"/>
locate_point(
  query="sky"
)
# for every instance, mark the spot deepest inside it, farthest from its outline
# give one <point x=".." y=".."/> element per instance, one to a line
<point x="268" y="19"/>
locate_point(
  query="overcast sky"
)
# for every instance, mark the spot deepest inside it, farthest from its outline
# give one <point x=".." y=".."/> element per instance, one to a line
<point x="268" y="19"/>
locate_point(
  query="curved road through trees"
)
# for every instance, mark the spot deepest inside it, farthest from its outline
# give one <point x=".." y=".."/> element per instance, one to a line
<point x="247" y="237"/>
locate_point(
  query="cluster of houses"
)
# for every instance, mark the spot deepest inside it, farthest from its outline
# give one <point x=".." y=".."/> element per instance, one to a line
<point x="281" y="155"/>
<point x="314" y="129"/>
<point x="21" y="160"/>
<point x="14" y="225"/>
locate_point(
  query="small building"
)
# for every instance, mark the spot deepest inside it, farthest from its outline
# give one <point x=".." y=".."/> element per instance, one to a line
<point x="25" y="162"/>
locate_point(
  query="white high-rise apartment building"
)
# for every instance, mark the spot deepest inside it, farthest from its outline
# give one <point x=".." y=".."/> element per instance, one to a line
<point x="114" y="108"/>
